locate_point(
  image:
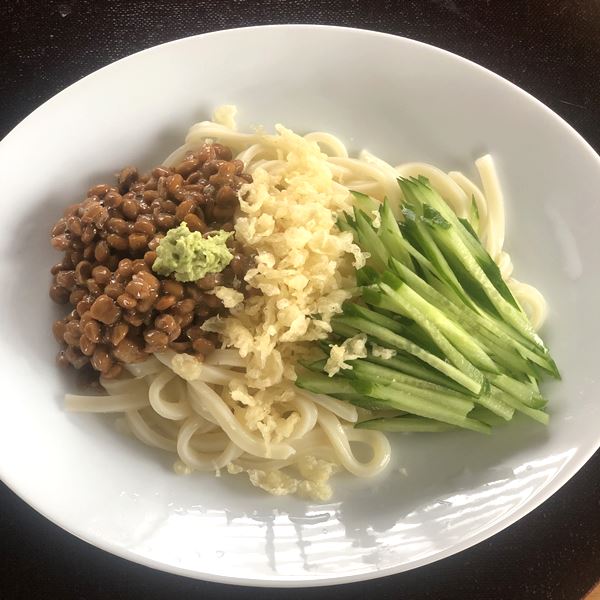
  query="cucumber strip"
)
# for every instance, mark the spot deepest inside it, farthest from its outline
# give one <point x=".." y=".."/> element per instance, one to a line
<point x="474" y="221"/>
<point x="518" y="390"/>
<point x="457" y="310"/>
<point x="457" y="405"/>
<point x="445" y="290"/>
<point x="542" y="360"/>
<point x="411" y="301"/>
<point x="467" y="355"/>
<point x="492" y="329"/>
<point x="495" y="405"/>
<point x="375" y="297"/>
<point x="487" y="331"/>
<point x="355" y="310"/>
<point x="428" y="196"/>
<point x="410" y="366"/>
<point x="451" y="243"/>
<point x="538" y="415"/>
<point x="365" y="402"/>
<point x="395" y="341"/>
<point x="455" y="356"/>
<point x="415" y="337"/>
<point x="361" y="370"/>
<point x="316" y="367"/>
<point x="344" y="225"/>
<point x="535" y="354"/>
<point x="405" y="424"/>
<point x="391" y="236"/>
<point x="343" y="330"/>
<point x="485" y="416"/>
<point x="465" y="223"/>
<point x="495" y="324"/>
<point x="367" y="277"/>
<point x="365" y="371"/>
<point x="399" y="319"/>
<point x="376" y="374"/>
<point x="418" y="233"/>
<point x="311" y="365"/>
<point x="503" y="350"/>
<point x="534" y="384"/>
<point x="505" y="356"/>
<point x="325" y="347"/>
<point x="409" y="329"/>
<point x="322" y="384"/>
<point x="364" y="202"/>
<point x="387" y="373"/>
<point x="370" y="242"/>
<point x="426" y="265"/>
<point x="420" y="407"/>
<point x="419" y="236"/>
<point x="474" y="258"/>
<point x="488" y="324"/>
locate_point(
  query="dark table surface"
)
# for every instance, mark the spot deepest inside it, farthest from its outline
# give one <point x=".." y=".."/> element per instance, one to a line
<point x="550" y="48"/>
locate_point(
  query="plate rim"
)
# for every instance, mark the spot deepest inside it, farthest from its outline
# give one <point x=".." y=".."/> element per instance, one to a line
<point x="564" y="475"/>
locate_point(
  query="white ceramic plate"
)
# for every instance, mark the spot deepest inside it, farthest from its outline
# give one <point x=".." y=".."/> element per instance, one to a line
<point x="400" y="99"/>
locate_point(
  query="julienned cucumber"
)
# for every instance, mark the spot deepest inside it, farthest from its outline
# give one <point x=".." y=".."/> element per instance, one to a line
<point x="405" y="424"/>
<point x="393" y="340"/>
<point x="420" y="407"/>
<point x="447" y="345"/>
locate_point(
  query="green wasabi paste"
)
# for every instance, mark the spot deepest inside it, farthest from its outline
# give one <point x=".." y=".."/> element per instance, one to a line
<point x="189" y="255"/>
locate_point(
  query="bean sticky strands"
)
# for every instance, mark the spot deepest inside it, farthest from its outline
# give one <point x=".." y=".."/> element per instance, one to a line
<point x="459" y="350"/>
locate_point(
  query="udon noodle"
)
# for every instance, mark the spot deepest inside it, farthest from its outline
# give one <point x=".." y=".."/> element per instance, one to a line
<point x="176" y="404"/>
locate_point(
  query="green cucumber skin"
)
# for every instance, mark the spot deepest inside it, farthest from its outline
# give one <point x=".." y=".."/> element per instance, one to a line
<point x="462" y="360"/>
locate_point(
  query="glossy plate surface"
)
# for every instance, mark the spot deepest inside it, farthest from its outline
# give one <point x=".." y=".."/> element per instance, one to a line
<point x="404" y="101"/>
